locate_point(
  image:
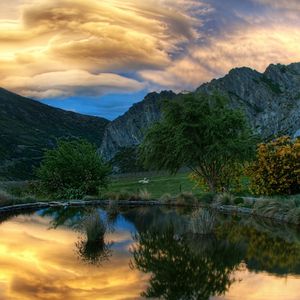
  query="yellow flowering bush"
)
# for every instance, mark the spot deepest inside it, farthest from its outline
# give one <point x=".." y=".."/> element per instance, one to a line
<point x="276" y="169"/>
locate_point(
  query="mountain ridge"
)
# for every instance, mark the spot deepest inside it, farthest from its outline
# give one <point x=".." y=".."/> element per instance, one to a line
<point x="27" y="127"/>
<point x="270" y="101"/>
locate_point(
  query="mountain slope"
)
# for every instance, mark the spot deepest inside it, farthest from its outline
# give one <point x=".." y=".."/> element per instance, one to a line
<point x="129" y="129"/>
<point x="270" y="100"/>
<point x="27" y="127"/>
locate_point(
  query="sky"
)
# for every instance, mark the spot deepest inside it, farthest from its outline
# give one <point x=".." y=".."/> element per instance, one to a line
<point x="98" y="57"/>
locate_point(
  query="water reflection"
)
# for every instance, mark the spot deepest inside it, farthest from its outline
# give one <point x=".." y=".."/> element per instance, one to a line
<point x="92" y="247"/>
<point x="152" y="254"/>
<point x="183" y="267"/>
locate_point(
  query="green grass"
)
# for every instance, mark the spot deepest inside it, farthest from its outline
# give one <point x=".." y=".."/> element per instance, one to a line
<point x="158" y="185"/>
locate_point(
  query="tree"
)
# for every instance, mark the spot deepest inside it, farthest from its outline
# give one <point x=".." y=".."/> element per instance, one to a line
<point x="276" y="169"/>
<point x="126" y="160"/>
<point x="201" y="132"/>
<point x="73" y="169"/>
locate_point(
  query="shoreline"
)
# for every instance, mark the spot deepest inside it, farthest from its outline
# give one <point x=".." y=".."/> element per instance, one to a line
<point x="225" y="209"/>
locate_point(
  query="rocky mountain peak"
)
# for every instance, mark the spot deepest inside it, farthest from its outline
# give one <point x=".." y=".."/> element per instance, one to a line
<point x="270" y="100"/>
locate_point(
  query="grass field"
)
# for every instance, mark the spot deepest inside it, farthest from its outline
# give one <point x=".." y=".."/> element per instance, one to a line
<point x="158" y="185"/>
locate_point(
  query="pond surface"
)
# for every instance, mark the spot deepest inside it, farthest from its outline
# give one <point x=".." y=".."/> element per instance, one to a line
<point x="144" y="253"/>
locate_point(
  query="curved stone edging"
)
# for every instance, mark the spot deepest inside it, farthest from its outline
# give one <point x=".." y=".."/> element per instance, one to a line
<point x="227" y="209"/>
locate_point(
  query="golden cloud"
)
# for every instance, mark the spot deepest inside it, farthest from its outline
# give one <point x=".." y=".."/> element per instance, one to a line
<point x="71" y="83"/>
<point x="98" y="37"/>
<point x="254" y="47"/>
<point x="165" y="43"/>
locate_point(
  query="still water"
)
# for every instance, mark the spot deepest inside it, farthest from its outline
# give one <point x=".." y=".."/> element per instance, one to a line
<point x="145" y="253"/>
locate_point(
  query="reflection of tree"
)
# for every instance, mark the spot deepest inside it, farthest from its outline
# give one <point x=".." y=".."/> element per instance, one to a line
<point x="180" y="268"/>
<point x="65" y="216"/>
<point x="6" y="216"/>
<point x="264" y="250"/>
<point x="91" y="247"/>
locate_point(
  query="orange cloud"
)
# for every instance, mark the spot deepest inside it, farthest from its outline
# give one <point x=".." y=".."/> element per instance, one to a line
<point x="98" y="37"/>
<point x="156" y="43"/>
<point x="254" y="47"/>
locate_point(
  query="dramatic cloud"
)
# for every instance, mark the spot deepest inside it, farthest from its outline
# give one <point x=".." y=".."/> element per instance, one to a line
<point x="93" y="36"/>
<point x="129" y="46"/>
<point x="255" y="48"/>
<point x="71" y="83"/>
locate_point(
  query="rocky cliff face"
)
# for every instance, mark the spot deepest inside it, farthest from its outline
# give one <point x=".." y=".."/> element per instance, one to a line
<point x="128" y="130"/>
<point x="270" y="100"/>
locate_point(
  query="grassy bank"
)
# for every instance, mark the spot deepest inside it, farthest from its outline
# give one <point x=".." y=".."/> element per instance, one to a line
<point x="174" y="190"/>
<point x="158" y="184"/>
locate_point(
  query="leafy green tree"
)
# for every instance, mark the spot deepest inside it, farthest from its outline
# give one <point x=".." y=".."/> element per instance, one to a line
<point x="201" y="132"/>
<point x="126" y="160"/>
<point x="72" y="170"/>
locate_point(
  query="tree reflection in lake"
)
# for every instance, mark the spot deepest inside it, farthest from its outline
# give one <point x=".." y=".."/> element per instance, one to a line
<point x="185" y="267"/>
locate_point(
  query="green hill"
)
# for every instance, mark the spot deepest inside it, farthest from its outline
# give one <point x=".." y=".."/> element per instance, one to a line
<point x="28" y="127"/>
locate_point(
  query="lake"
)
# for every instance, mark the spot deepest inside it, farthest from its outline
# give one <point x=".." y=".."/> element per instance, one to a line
<point x="145" y="252"/>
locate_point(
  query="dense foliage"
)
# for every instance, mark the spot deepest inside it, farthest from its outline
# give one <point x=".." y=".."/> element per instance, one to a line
<point x="72" y="170"/>
<point x="201" y="132"/>
<point x="126" y="160"/>
<point x="276" y="169"/>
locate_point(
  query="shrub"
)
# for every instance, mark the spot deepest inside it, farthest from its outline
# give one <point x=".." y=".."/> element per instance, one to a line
<point x="5" y="198"/>
<point x="224" y="199"/>
<point x="186" y="199"/>
<point x="72" y="170"/>
<point x="202" y="221"/>
<point x="207" y="198"/>
<point x="277" y="167"/>
<point x="166" y="199"/>
<point x="144" y="195"/>
<point x="238" y="200"/>
<point x="285" y="210"/>
<point x="229" y="180"/>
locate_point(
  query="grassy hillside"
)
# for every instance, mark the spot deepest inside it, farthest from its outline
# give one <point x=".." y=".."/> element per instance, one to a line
<point x="28" y="127"/>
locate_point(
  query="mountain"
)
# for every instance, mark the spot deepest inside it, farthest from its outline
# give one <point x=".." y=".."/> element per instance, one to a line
<point x="27" y="127"/>
<point x="270" y="100"/>
<point x="128" y="130"/>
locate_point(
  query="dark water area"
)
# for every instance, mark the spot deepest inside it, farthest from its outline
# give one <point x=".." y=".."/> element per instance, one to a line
<point x="146" y="252"/>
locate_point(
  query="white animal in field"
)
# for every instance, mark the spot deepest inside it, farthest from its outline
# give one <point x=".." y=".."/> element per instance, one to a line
<point x="144" y="181"/>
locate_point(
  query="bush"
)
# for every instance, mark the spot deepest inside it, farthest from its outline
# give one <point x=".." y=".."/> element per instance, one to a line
<point x="5" y="198"/>
<point x="166" y="199"/>
<point x="144" y="195"/>
<point x="224" y="199"/>
<point x="285" y="210"/>
<point x="238" y="200"/>
<point x="186" y="199"/>
<point x="72" y="170"/>
<point x="277" y="167"/>
<point x="207" y="198"/>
